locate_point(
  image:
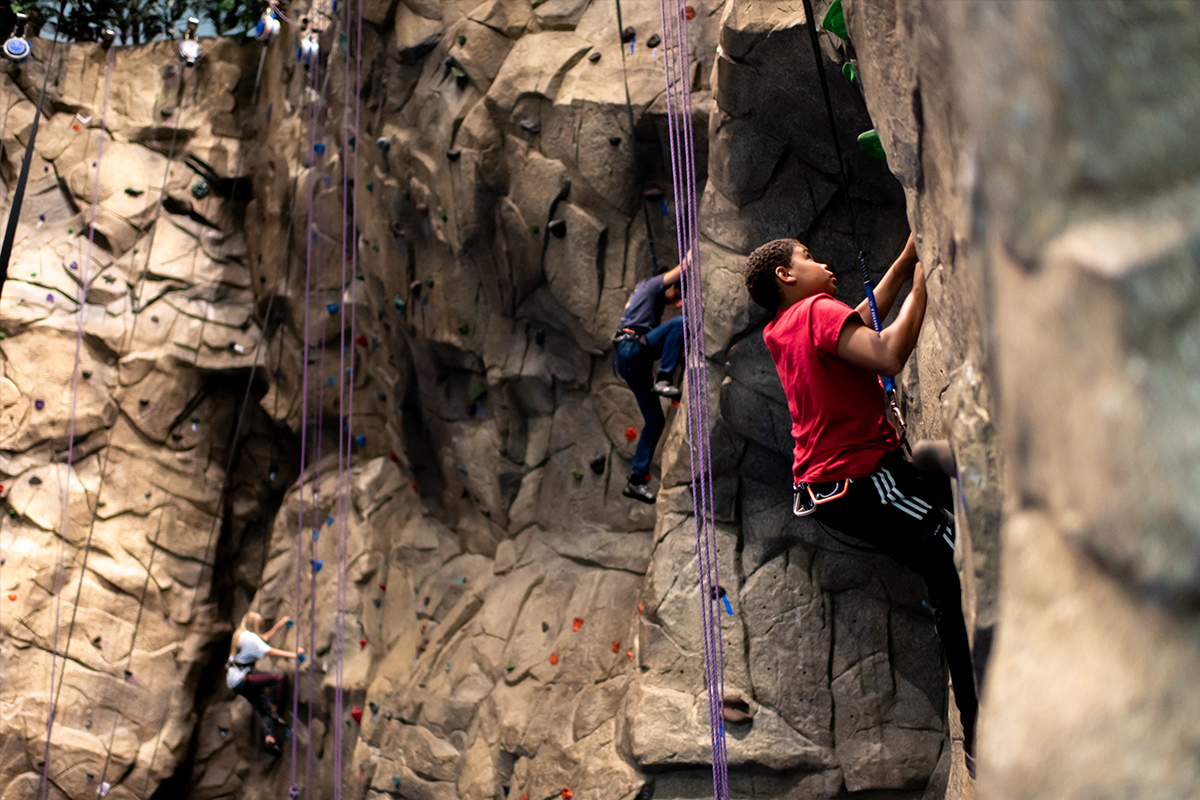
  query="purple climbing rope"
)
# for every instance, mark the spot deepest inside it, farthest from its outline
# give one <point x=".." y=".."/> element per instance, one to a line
<point x="64" y="523"/>
<point x="308" y="236"/>
<point x="677" y="65"/>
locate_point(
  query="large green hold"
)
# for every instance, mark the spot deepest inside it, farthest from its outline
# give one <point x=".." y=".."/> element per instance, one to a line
<point x="870" y="144"/>
<point x="835" y="21"/>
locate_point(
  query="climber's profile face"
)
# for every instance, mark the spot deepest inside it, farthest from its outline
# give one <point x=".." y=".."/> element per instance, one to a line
<point x="806" y="274"/>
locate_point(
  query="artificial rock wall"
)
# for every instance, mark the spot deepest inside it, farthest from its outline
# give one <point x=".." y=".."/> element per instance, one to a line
<point x="482" y="515"/>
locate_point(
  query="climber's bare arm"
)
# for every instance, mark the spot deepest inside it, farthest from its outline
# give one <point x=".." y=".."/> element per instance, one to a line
<point x="673" y="276"/>
<point x="889" y="285"/>
<point x="275" y="628"/>
<point x="884" y="353"/>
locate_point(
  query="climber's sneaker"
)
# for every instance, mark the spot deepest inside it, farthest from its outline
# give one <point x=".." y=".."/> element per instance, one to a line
<point x="665" y="389"/>
<point x="639" y="491"/>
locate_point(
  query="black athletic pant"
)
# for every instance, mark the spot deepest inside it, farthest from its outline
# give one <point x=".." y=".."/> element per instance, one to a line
<point x="908" y="514"/>
<point x="263" y="690"/>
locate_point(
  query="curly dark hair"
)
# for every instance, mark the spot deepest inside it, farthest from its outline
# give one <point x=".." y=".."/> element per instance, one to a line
<point x="760" y="271"/>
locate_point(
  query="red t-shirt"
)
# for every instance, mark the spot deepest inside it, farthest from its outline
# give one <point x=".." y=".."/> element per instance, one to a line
<point x="838" y="418"/>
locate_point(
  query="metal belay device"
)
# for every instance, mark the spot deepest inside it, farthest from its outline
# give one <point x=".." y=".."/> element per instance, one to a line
<point x="17" y="47"/>
<point x="309" y="49"/>
<point x="268" y="27"/>
<point x="189" y="48"/>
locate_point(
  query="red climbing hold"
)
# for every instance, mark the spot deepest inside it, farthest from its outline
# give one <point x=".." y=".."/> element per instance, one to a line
<point x="616" y="646"/>
<point x="12" y="597"/>
<point x="630" y="434"/>
<point x="567" y="793"/>
<point x="640" y="611"/>
<point x="356" y="712"/>
<point x="524" y="797"/>
<point x="578" y="624"/>
<point x="689" y="13"/>
<point x="362" y="644"/>
<point x="76" y="127"/>
<point x="554" y="659"/>
<point x="383" y="587"/>
<point x="675" y="404"/>
<point x="392" y="455"/>
<point x="361" y="341"/>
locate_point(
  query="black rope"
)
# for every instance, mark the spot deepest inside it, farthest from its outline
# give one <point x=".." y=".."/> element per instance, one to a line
<point x="14" y="213"/>
<point x="633" y="137"/>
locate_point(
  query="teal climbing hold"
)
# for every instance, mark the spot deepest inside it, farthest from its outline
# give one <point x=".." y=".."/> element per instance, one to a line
<point x="370" y="186"/>
<point x="331" y="381"/>
<point x="329" y="520"/>
<point x="200" y="189"/>
<point x="396" y="781"/>
<point x="870" y="144"/>
<point x="460" y="580"/>
<point x="835" y="21"/>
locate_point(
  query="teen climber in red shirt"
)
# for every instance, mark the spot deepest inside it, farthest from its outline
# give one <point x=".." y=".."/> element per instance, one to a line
<point x="848" y="467"/>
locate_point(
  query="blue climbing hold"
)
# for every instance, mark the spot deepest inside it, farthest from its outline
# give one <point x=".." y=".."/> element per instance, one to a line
<point x="333" y="308"/>
<point x="316" y="534"/>
<point x="331" y="380"/>
<point x="290" y="623"/>
<point x="317" y="564"/>
<point x="360" y="440"/>
<point x="728" y="607"/>
<point x="319" y="149"/>
<point x="301" y="658"/>
<point x="329" y="520"/>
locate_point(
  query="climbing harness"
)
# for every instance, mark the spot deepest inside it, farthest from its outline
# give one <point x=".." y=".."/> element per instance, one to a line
<point x="189" y="46"/>
<point x="676" y="65"/>
<point x="17" y="47"/>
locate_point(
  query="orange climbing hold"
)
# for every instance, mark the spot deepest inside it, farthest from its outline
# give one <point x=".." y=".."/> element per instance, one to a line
<point x="356" y="713"/>
<point x="567" y="793"/>
<point x="524" y="797"/>
<point x="12" y="597"/>
<point x="616" y="646"/>
<point x="578" y="624"/>
<point x="675" y="404"/>
<point x="630" y="434"/>
<point x="554" y="659"/>
<point x="630" y="654"/>
<point x="639" y="609"/>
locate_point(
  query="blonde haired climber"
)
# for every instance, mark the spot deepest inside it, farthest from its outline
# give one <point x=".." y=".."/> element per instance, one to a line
<point x="262" y="689"/>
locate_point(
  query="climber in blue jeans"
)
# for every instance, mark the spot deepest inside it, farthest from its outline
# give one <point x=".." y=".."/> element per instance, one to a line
<point x="641" y="339"/>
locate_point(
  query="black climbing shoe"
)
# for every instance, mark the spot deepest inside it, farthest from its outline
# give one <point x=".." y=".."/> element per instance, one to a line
<point x="970" y="759"/>
<point x="639" y="491"/>
<point x="665" y="389"/>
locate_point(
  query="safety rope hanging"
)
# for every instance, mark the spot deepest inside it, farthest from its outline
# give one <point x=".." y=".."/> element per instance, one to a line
<point x="677" y="65"/>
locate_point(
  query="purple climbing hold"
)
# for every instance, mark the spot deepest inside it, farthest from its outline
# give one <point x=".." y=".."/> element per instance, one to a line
<point x="74" y="265"/>
<point x="293" y="792"/>
<point x="39" y="404"/>
<point x="49" y="298"/>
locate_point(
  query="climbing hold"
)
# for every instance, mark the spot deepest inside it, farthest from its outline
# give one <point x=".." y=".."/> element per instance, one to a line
<point x="332" y="308"/>
<point x="370" y="186"/>
<point x="429" y="281"/>
<point x="453" y="155"/>
<point x="460" y="580"/>
<point x="356" y="713"/>
<point x="378" y="602"/>
<point x="237" y="348"/>
<point x="577" y="474"/>
<point x="835" y="21"/>
<point x="510" y="667"/>
<point x="49" y="298"/>
<point x="329" y="520"/>
<point x="567" y="793"/>
<point x="362" y="644"/>
<point x="331" y="380"/>
<point x="447" y="667"/>
<point x="392" y="453"/>
<point x="597" y="465"/>
<point x="534" y="229"/>
<point x="628" y="35"/>
<point x="614" y="140"/>
<point x="640" y="610"/>
<point x="689" y="13"/>
<point x="154" y="319"/>
<point x="728" y="608"/>
<point x="200" y="189"/>
<point x="558" y="227"/>
<point x="301" y="658"/>
<point x="39" y="404"/>
<point x="74" y="265"/>
<point x="545" y="627"/>
<point x="12" y="596"/>
<point x="461" y="40"/>
<point x="361" y="341"/>
<point x="35" y="481"/>
<point x="870" y="144"/>
<point x="630" y="654"/>
<point x="577" y="624"/>
<point x="848" y="72"/>
<point x="529" y="126"/>
<point x="654" y="41"/>
<point x="381" y="395"/>
<point x="616" y="646"/>
<point x="384" y="143"/>
<point x="12" y="512"/>
<point x="319" y="148"/>
<point x="554" y="659"/>
<point x="143" y="402"/>
<point x="374" y="708"/>
<point x="524" y="797"/>
<point x="360" y="440"/>
<point x="383" y="587"/>
<point x="399" y="304"/>
<point x="594" y="56"/>
<point x="630" y="434"/>
<point x="464" y="329"/>
<point x="396" y="781"/>
<point x="316" y="534"/>
<point x="316" y="564"/>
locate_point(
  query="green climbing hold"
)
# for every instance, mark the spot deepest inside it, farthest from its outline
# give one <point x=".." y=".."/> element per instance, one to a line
<point x="200" y="189"/>
<point x="460" y="77"/>
<point x="429" y="281"/>
<point x="835" y="21"/>
<point x="461" y="40"/>
<point x="464" y="329"/>
<point x="3" y="336"/>
<point x="510" y="667"/>
<point x="12" y="512"/>
<point x="447" y="666"/>
<point x="370" y="186"/>
<point x="577" y="474"/>
<point x="70" y="230"/>
<point x="848" y="72"/>
<point x="442" y="214"/>
<point x="478" y="390"/>
<point x="870" y="144"/>
<point x="534" y="229"/>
